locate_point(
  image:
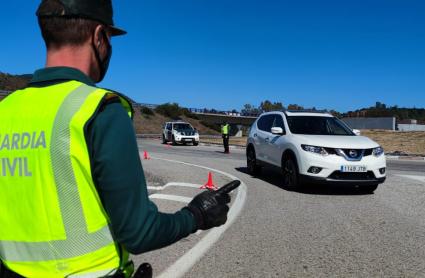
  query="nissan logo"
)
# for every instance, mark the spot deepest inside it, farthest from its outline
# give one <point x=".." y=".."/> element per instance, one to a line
<point x="352" y="153"/>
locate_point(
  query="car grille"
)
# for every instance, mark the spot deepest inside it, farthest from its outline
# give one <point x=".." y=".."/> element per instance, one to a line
<point x="338" y="175"/>
<point x="188" y="133"/>
<point x="367" y="152"/>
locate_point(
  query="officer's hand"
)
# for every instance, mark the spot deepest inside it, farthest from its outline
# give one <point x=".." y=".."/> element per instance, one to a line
<point x="210" y="207"/>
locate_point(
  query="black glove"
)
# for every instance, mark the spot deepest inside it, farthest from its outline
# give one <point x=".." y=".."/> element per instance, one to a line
<point x="209" y="208"/>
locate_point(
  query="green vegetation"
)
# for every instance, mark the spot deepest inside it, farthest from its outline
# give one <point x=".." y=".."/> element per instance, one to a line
<point x="146" y="111"/>
<point x="381" y="110"/>
<point x="171" y="110"/>
<point x="215" y="127"/>
<point x="174" y="111"/>
<point x="189" y="114"/>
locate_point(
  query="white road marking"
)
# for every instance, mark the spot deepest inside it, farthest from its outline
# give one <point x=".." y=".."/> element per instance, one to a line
<point x="176" y="198"/>
<point x="188" y="260"/>
<point x="182" y="184"/>
<point x="413" y="177"/>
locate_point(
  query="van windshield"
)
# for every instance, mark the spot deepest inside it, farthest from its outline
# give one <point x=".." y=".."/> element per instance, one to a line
<point x="316" y="125"/>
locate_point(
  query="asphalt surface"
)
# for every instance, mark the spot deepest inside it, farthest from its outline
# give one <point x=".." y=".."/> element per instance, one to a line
<point x="319" y="232"/>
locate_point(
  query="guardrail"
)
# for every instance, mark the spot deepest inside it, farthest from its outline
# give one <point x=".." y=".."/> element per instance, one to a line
<point x="206" y="139"/>
<point x="232" y="113"/>
<point x="158" y="135"/>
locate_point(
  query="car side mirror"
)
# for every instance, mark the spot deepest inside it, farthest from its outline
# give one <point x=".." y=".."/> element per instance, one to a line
<point x="277" y="130"/>
<point x="356" y="132"/>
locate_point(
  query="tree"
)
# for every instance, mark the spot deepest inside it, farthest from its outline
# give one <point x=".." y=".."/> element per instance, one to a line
<point x="171" y="110"/>
<point x="267" y="106"/>
<point x="295" y="107"/>
<point x="250" y="110"/>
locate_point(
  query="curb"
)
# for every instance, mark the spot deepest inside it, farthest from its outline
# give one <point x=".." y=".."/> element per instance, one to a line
<point x="405" y="157"/>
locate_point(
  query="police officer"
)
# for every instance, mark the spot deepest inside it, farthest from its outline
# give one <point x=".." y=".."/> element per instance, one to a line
<point x="225" y="128"/>
<point x="73" y="200"/>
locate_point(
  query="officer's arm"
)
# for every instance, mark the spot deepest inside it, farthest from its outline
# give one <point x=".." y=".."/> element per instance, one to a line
<point x="119" y="178"/>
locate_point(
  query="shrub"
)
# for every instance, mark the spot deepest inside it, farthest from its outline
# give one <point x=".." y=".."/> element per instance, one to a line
<point x="215" y="127"/>
<point x="189" y="114"/>
<point x="146" y="111"/>
<point x="171" y="110"/>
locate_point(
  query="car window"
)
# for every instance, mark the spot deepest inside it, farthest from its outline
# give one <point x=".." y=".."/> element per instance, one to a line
<point x="169" y="126"/>
<point x="316" y="125"/>
<point x="278" y="122"/>
<point x="265" y="123"/>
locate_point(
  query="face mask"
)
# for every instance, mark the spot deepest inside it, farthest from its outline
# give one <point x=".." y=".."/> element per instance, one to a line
<point x="103" y="64"/>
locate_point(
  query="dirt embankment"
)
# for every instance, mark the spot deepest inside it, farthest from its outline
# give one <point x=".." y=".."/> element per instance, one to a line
<point x="412" y="142"/>
<point x="153" y="124"/>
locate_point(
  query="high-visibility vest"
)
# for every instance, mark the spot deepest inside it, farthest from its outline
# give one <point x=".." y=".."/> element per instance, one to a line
<point x="52" y="222"/>
<point x="225" y="129"/>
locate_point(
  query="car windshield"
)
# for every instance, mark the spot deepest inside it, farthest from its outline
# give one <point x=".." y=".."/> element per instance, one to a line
<point x="314" y="125"/>
<point x="180" y="127"/>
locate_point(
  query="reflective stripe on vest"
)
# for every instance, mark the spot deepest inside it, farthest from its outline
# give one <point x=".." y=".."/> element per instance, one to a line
<point x="79" y="242"/>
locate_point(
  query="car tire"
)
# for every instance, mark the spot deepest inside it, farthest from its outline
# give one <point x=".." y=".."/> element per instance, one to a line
<point x="173" y="140"/>
<point x="163" y="139"/>
<point x="195" y="143"/>
<point x="290" y="173"/>
<point x="369" y="189"/>
<point x="251" y="163"/>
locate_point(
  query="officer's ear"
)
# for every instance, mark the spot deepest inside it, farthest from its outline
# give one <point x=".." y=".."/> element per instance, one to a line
<point x="101" y="34"/>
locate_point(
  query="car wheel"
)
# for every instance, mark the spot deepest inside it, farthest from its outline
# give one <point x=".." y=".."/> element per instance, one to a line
<point x="173" y="140"/>
<point x="251" y="162"/>
<point x="163" y="139"/>
<point x="195" y="143"/>
<point x="369" y="188"/>
<point x="290" y="173"/>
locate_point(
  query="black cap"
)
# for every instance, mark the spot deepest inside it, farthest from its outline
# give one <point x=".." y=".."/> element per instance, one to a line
<point x="98" y="10"/>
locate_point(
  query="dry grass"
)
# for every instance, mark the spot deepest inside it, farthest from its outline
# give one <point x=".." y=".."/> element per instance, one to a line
<point x="412" y="143"/>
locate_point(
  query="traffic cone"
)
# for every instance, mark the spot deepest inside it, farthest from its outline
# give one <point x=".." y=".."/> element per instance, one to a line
<point x="210" y="184"/>
<point x="146" y="155"/>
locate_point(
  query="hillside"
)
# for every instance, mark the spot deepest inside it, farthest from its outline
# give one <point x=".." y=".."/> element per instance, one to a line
<point x="145" y="124"/>
<point x="10" y="82"/>
<point x="381" y="110"/>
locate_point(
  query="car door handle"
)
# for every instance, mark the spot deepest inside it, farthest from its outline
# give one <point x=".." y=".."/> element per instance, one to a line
<point x="255" y="134"/>
<point x="267" y="140"/>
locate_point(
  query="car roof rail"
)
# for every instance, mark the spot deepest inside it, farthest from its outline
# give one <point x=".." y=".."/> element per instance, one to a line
<point x="307" y="111"/>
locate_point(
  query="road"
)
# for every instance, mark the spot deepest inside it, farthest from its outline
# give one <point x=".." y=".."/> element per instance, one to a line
<point x="319" y="232"/>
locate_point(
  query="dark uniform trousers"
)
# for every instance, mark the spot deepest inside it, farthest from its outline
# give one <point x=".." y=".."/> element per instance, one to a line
<point x="226" y="142"/>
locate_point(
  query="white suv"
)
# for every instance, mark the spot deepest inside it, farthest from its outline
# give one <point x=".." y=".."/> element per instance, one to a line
<point x="179" y="132"/>
<point x="313" y="147"/>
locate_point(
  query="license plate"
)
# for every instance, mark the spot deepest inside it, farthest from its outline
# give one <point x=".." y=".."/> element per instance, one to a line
<point x="353" y="168"/>
<point x="188" y="139"/>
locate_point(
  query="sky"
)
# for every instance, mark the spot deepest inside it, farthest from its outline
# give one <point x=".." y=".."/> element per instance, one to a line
<point x="222" y="54"/>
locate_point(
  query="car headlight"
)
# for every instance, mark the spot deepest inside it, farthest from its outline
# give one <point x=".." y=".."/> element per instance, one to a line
<point x="378" y="151"/>
<point x="315" y="149"/>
